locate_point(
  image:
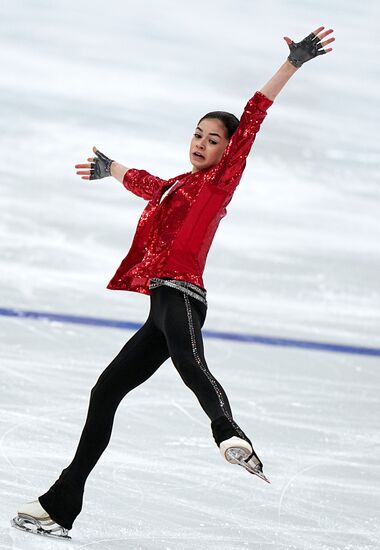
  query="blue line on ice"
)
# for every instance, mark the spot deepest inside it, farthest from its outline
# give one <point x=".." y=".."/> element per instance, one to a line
<point x="249" y="338"/>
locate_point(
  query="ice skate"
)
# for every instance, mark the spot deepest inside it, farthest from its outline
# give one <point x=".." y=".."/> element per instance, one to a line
<point x="236" y="451"/>
<point x="31" y="517"/>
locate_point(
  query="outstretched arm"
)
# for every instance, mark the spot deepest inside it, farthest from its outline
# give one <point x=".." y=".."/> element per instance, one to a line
<point x="231" y="166"/>
<point x="140" y="182"/>
<point x="300" y="52"/>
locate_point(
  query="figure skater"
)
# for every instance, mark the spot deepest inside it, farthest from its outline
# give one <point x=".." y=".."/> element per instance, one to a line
<point x="166" y="260"/>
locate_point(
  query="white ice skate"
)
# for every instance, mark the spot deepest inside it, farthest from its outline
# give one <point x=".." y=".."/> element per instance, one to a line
<point x="236" y="451"/>
<point x="31" y="517"/>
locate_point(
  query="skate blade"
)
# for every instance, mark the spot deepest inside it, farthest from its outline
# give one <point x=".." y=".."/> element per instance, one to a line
<point x="34" y="526"/>
<point x="236" y="455"/>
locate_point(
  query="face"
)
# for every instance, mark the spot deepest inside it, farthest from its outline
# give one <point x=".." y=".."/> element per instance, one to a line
<point x="208" y="144"/>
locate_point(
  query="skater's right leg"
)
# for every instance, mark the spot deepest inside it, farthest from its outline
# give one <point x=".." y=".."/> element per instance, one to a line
<point x="136" y="362"/>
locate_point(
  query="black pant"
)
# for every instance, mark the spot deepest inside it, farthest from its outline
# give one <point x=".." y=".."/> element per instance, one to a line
<point x="173" y="329"/>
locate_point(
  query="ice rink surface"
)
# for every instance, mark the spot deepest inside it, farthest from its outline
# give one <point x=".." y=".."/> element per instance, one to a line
<point x="297" y="258"/>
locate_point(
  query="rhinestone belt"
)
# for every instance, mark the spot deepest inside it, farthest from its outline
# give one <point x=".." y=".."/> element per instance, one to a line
<point x="187" y="288"/>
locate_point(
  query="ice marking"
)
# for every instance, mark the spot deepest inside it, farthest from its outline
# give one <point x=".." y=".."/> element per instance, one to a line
<point x="239" y="337"/>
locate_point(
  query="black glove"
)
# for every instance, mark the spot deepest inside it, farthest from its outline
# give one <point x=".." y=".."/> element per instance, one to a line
<point x="305" y="50"/>
<point x="101" y="168"/>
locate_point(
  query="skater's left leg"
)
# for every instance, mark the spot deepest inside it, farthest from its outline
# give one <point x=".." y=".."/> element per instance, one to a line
<point x="181" y="318"/>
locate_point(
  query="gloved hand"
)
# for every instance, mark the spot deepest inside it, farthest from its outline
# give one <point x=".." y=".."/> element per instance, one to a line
<point x="101" y="168"/>
<point x="308" y="48"/>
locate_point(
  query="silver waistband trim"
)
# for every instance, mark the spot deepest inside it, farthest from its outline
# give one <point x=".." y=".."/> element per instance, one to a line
<point x="187" y="288"/>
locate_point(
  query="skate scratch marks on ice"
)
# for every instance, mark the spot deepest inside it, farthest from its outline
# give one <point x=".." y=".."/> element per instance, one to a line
<point x="297" y="474"/>
<point x="186" y="413"/>
<point x="25" y="422"/>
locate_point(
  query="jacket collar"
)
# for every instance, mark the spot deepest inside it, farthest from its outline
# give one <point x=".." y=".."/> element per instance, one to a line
<point x="174" y="183"/>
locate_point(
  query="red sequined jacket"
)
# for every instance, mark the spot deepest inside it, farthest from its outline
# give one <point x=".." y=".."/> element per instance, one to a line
<point x="174" y="235"/>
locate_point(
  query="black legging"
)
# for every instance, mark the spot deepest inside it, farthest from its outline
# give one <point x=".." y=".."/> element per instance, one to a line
<point x="173" y="329"/>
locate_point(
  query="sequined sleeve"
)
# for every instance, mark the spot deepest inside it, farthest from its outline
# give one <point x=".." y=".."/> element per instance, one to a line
<point x="229" y="170"/>
<point x="142" y="184"/>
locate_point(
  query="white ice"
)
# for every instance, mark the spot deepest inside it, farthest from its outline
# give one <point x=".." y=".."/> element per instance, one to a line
<point x="296" y="257"/>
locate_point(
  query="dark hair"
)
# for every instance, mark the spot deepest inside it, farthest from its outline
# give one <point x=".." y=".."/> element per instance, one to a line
<point x="230" y="121"/>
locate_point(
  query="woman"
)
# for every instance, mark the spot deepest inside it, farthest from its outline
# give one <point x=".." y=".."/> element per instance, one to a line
<point x="166" y="261"/>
